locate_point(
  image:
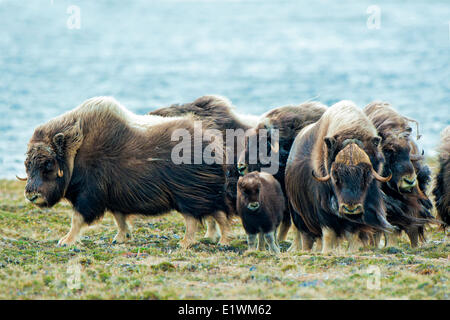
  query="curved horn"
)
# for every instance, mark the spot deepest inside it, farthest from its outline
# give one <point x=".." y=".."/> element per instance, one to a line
<point x="380" y="178"/>
<point x="321" y="179"/>
<point x="417" y="126"/>
<point x="60" y="173"/>
<point x="21" y="179"/>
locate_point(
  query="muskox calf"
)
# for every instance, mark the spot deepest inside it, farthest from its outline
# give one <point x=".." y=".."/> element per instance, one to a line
<point x="407" y="206"/>
<point x="260" y="205"/>
<point x="101" y="157"/>
<point x="441" y="190"/>
<point x="331" y="179"/>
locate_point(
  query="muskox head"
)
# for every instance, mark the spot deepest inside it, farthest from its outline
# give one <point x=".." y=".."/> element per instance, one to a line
<point x="49" y="165"/>
<point x="249" y="187"/>
<point x="399" y="156"/>
<point x="351" y="173"/>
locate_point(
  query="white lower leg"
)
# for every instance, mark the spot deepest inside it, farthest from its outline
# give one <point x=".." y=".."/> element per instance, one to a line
<point x="297" y="243"/>
<point x="191" y="229"/>
<point x="124" y="231"/>
<point x="75" y="229"/>
<point x="270" y="240"/>
<point x="328" y="240"/>
<point x="212" y="230"/>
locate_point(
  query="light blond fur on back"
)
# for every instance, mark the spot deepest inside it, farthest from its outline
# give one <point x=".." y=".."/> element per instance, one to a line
<point x="342" y="120"/>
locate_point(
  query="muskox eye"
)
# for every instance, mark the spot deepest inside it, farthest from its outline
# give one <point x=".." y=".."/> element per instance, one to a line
<point x="48" y="165"/>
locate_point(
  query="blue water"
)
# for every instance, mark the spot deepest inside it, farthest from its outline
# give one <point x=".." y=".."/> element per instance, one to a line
<point x="260" y="54"/>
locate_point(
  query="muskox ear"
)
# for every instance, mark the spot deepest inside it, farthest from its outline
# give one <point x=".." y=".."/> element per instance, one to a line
<point x="376" y="141"/>
<point x="68" y="142"/>
<point x="58" y="141"/>
<point x="330" y="142"/>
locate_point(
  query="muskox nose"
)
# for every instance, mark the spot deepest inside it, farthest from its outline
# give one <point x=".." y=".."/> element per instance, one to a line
<point x="32" y="196"/>
<point x="408" y="182"/>
<point x="351" y="209"/>
<point x="242" y="168"/>
<point x="253" y="206"/>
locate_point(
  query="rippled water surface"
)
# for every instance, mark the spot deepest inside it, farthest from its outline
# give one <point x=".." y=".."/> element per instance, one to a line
<point x="260" y="54"/>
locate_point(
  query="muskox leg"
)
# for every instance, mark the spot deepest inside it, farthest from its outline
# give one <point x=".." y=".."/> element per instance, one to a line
<point x="251" y="241"/>
<point x="285" y="225"/>
<point x="413" y="235"/>
<point x="212" y="231"/>
<point x="124" y="231"/>
<point x="353" y="240"/>
<point x="307" y="242"/>
<point x="224" y="225"/>
<point x="328" y="239"/>
<point x="375" y="239"/>
<point x="261" y="243"/>
<point x="270" y="240"/>
<point x="390" y="239"/>
<point x="75" y="228"/>
<point x="191" y="229"/>
<point x="318" y="244"/>
<point x="297" y="243"/>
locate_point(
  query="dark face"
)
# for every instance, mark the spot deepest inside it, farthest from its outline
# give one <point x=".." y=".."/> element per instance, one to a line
<point x="350" y="183"/>
<point x="248" y="190"/>
<point x="399" y="163"/>
<point x="45" y="176"/>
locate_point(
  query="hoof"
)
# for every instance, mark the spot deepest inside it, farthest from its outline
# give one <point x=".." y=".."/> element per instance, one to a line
<point x="121" y="238"/>
<point x="185" y="244"/>
<point x="64" y="242"/>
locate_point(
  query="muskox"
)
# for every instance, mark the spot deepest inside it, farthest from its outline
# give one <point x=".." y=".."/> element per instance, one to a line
<point x="260" y="204"/>
<point x="331" y="179"/>
<point x="219" y="112"/>
<point x="407" y="206"/>
<point x="441" y="190"/>
<point x="101" y="157"/>
<point x="288" y="120"/>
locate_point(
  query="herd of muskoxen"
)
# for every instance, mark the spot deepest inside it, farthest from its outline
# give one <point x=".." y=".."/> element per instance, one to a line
<point x="341" y="172"/>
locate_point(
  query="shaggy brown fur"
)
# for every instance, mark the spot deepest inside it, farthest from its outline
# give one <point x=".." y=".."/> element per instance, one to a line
<point x="260" y="204"/>
<point x="341" y="150"/>
<point x="408" y="208"/>
<point x="215" y="108"/>
<point x="441" y="190"/>
<point x="218" y="111"/>
<point x="112" y="160"/>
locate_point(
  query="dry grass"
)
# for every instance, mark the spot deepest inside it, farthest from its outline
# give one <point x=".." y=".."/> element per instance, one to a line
<point x="151" y="266"/>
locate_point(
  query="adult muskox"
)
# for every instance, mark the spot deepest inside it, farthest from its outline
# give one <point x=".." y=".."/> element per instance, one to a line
<point x="288" y="120"/>
<point x="331" y="178"/>
<point x="441" y="190"/>
<point x="219" y="112"/>
<point x="407" y="206"/>
<point x="101" y="157"/>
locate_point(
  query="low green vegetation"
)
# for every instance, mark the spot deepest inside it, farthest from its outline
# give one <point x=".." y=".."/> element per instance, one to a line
<point x="152" y="266"/>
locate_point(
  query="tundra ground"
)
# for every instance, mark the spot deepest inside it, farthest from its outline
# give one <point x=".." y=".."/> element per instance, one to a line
<point x="152" y="266"/>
